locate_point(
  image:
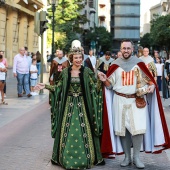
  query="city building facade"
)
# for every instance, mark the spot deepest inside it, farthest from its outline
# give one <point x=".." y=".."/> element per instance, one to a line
<point x="17" y="26"/>
<point x="160" y="9"/>
<point x="125" y="22"/>
<point x="104" y="18"/>
<point x="91" y="12"/>
<point x="155" y="10"/>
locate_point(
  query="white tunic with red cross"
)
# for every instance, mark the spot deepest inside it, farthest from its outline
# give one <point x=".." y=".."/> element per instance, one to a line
<point x="126" y="114"/>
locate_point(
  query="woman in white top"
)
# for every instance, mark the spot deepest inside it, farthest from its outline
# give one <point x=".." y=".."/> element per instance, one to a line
<point x="3" y="71"/>
<point x="159" y="67"/>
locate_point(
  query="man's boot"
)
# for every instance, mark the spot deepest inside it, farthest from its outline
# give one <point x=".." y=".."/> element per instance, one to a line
<point x="126" y="144"/>
<point x="137" y="141"/>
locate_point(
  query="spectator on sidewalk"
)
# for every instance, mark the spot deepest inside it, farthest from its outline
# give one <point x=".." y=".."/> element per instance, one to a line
<point x="85" y="55"/>
<point x="3" y="70"/>
<point x="33" y="77"/>
<point x="28" y="56"/>
<point x="39" y="57"/>
<point x="33" y="56"/>
<point x="166" y="80"/>
<point x="48" y="62"/>
<point x="159" y="67"/>
<point x="21" y="72"/>
<point x="29" y="59"/>
<point x="119" y="54"/>
<point x="4" y="61"/>
<point x="90" y="62"/>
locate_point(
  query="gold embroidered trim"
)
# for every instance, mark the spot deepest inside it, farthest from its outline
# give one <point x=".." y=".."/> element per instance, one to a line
<point x="50" y="87"/>
<point x="90" y="140"/>
<point x="132" y="124"/>
<point x="62" y="130"/>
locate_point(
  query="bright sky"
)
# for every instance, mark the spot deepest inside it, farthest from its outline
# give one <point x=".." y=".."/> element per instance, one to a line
<point x="145" y="6"/>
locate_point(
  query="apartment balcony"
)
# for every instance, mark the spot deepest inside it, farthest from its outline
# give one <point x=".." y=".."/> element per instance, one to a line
<point x="102" y="14"/>
<point x="102" y="3"/>
<point x="164" y="13"/>
<point x="164" y="2"/>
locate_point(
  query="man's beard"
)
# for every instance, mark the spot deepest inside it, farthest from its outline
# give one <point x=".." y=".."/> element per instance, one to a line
<point x="128" y="56"/>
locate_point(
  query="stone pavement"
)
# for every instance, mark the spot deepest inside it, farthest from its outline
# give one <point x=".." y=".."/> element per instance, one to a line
<point x="25" y="141"/>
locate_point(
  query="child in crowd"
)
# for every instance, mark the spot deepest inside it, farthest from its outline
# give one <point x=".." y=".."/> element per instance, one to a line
<point x="33" y="77"/>
<point x="3" y="70"/>
<point x="33" y="56"/>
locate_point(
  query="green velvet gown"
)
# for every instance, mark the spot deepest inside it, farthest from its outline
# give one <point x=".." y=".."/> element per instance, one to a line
<point x="76" y="120"/>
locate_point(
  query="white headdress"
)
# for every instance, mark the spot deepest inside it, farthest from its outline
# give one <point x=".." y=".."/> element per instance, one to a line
<point x="76" y="47"/>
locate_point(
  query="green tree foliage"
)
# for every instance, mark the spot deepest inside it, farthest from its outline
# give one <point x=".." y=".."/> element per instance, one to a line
<point x="60" y="39"/>
<point x="160" y="31"/>
<point x="145" y="41"/>
<point x="105" y="38"/>
<point x="67" y="22"/>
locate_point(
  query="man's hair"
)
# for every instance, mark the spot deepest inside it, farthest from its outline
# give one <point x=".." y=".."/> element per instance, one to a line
<point x="119" y="52"/>
<point x="61" y="51"/>
<point x="1" y="56"/>
<point x="26" y="48"/>
<point x="127" y="40"/>
<point x="108" y="53"/>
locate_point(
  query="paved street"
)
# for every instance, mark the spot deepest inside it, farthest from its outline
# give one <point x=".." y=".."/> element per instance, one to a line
<point x="25" y="141"/>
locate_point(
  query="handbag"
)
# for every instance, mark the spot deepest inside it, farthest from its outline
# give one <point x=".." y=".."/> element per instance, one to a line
<point x="140" y="102"/>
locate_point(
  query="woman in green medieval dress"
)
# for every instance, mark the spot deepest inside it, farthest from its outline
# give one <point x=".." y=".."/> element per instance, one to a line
<point x="76" y="118"/>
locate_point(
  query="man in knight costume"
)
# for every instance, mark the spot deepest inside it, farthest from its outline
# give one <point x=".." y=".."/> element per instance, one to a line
<point x="149" y="62"/>
<point x="127" y="121"/>
<point x="104" y="62"/>
<point x="58" y="64"/>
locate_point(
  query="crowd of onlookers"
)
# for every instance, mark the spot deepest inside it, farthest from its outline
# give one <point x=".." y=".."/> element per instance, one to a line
<point x="27" y="67"/>
<point x="162" y="65"/>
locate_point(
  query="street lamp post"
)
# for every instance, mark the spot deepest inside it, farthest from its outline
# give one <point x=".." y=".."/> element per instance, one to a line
<point x="53" y="4"/>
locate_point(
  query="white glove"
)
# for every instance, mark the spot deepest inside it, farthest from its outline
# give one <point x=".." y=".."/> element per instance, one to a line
<point x="151" y="88"/>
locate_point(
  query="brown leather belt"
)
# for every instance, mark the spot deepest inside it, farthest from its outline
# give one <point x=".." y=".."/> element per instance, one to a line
<point x="126" y="95"/>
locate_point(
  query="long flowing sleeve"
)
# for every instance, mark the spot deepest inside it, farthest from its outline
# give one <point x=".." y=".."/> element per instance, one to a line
<point x="55" y="97"/>
<point x="97" y="104"/>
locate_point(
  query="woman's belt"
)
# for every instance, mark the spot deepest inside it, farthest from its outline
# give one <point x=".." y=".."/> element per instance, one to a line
<point x="75" y="94"/>
<point x="126" y="95"/>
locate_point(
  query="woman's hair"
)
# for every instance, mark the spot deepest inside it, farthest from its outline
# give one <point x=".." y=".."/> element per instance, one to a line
<point x="1" y="56"/>
<point x="32" y="54"/>
<point x="75" y="51"/>
<point x="159" y="59"/>
<point x="71" y="57"/>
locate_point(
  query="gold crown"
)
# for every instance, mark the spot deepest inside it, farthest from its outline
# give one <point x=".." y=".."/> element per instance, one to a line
<point x="75" y="50"/>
